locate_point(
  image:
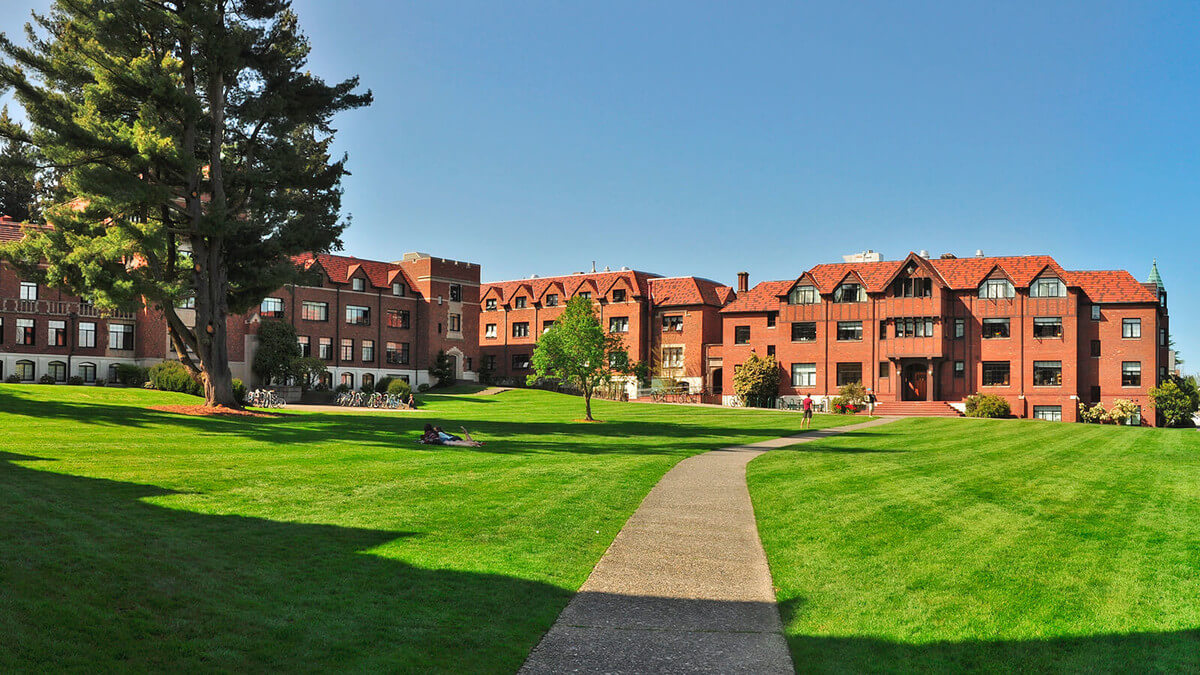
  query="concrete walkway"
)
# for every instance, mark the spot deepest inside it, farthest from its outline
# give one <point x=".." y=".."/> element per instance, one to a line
<point x="684" y="588"/>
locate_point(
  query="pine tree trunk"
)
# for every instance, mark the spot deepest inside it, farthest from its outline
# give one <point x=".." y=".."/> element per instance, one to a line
<point x="212" y="309"/>
<point x="587" y="404"/>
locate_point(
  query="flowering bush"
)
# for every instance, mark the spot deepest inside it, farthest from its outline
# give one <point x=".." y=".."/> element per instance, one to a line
<point x="1092" y="415"/>
<point x="844" y="406"/>
<point x="1121" y="411"/>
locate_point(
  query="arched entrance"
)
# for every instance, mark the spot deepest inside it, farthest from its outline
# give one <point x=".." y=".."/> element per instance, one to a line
<point x="914" y="382"/>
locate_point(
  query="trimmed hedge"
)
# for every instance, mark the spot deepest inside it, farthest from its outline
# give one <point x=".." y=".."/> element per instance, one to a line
<point x="172" y="376"/>
<point x="987" y="405"/>
<point x="131" y="375"/>
<point x="399" y="387"/>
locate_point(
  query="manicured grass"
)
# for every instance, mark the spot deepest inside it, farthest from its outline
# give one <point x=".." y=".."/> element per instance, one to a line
<point x="132" y="539"/>
<point x="950" y="545"/>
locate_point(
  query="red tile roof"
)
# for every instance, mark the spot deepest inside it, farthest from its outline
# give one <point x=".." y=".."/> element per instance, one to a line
<point x="689" y="291"/>
<point x="1111" y="286"/>
<point x="340" y="268"/>
<point x="569" y="284"/>
<point x="762" y="298"/>
<point x="967" y="273"/>
<point x="12" y="230"/>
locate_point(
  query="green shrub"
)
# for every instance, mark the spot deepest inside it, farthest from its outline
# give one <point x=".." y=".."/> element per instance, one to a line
<point x="239" y="391"/>
<point x="854" y="393"/>
<point x="987" y="405"/>
<point x="341" y="388"/>
<point x="100" y="382"/>
<point x="423" y="387"/>
<point x="1174" y="402"/>
<point x="75" y="380"/>
<point x="399" y="388"/>
<point x="172" y="376"/>
<point x="131" y="375"/>
<point x="757" y="379"/>
<point x="13" y="379"/>
<point x="1092" y="415"/>
<point x="46" y="379"/>
<point x="844" y="405"/>
<point x="1123" y="409"/>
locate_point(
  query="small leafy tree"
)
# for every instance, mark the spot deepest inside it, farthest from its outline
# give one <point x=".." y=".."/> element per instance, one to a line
<point x="308" y="371"/>
<point x="442" y="370"/>
<point x="278" y="349"/>
<point x="1176" y="404"/>
<point x="578" y="351"/>
<point x="758" y="378"/>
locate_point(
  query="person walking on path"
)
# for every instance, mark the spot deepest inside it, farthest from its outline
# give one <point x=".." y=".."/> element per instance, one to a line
<point x="871" y="401"/>
<point x="807" y="403"/>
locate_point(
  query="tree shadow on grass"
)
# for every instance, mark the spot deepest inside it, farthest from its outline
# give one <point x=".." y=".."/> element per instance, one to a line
<point x="95" y="577"/>
<point x="402" y="431"/>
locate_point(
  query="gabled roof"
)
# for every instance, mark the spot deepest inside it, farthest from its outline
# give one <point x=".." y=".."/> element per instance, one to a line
<point x="1111" y="286"/>
<point x="874" y="275"/>
<point x="569" y="284"/>
<point x="689" y="291"/>
<point x="341" y="268"/>
<point x="967" y="273"/>
<point x="764" y="297"/>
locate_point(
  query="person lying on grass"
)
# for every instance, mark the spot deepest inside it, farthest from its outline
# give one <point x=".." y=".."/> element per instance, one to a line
<point x="436" y="436"/>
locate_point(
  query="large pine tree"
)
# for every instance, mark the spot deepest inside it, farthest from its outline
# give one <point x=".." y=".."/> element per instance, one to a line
<point x="192" y="148"/>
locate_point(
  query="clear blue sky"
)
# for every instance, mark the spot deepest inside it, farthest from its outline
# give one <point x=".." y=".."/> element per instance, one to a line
<point x="708" y="138"/>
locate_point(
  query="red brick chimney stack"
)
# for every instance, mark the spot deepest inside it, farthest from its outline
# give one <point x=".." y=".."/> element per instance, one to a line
<point x="743" y="282"/>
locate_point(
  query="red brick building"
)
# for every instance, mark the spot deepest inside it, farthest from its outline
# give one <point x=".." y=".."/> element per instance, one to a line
<point x="665" y="322"/>
<point x="924" y="329"/>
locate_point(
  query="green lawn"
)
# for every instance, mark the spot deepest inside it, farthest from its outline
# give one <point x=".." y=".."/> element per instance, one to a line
<point x="952" y="545"/>
<point x="132" y="539"/>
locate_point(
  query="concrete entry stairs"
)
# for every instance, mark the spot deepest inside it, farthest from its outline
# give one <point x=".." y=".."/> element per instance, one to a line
<point x="916" y="409"/>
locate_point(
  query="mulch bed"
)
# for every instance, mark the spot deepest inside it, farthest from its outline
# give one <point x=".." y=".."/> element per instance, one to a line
<point x="206" y="411"/>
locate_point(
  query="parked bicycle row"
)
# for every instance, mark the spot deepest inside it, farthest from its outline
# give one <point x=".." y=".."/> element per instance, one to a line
<point x="359" y="399"/>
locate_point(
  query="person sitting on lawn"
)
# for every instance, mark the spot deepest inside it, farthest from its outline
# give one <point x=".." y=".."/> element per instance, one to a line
<point x="436" y="436"/>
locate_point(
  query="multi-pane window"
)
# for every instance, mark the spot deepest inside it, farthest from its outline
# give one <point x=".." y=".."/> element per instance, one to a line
<point x="770" y="350"/>
<point x="454" y="323"/>
<point x="455" y="292"/>
<point x="57" y="370"/>
<point x="960" y="328"/>
<point x="271" y="308"/>
<point x="1095" y="312"/>
<point x="325" y="348"/>
<point x="397" y="353"/>
<point x="88" y="372"/>
<point x="960" y="369"/>
<point x="489" y="331"/>
<point x="1051" y="413"/>
<point x="520" y="362"/>
<point x="348" y="380"/>
<point x="804" y="374"/>
<point x="368" y="351"/>
<point x="358" y="284"/>
<point x="741" y="335"/>
<point x="397" y="318"/>
<point x="1048" y="287"/>
<point x="120" y="336"/>
<point x="995" y="374"/>
<point x="489" y="304"/>
<point x="56" y="333"/>
<point x="995" y="328"/>
<point x="399" y="290"/>
<point x="849" y="292"/>
<point x="1047" y="373"/>
<point x="848" y="373"/>
<point x="772" y="317"/>
<point x="913" y="288"/>
<point x="883" y="329"/>
<point x="884" y="369"/>
<point x="24" y="370"/>
<point x="1047" y="327"/>
<point x="519" y="302"/>
<point x="672" y="357"/>
<point x="1095" y="348"/>
<point x="25" y="332"/>
<point x="1131" y="328"/>
<point x="489" y="362"/>
<point x="618" y="295"/>
<point x="586" y="295"/>
<point x="314" y="311"/>
<point x="804" y="331"/>
<point x="552" y="300"/>
<point x="1094" y="393"/>
<point x="547" y="325"/>
<point x="914" y="327"/>
<point x="521" y="329"/>
<point x="305" y="345"/>
<point x="347" y="349"/>
<point x="188" y="303"/>
<point x="673" y="323"/>
<point x="368" y="381"/>
<point x="358" y="316"/>
<point x="804" y="295"/>
<point x="1162" y="337"/>
<point x="29" y="291"/>
<point x="1131" y="374"/>
<point x="618" y="324"/>
<point x="849" y="330"/>
<point x="996" y="289"/>
<point x="87" y="334"/>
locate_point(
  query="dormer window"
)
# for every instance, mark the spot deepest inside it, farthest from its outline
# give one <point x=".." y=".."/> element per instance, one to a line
<point x="358" y="284"/>
<point x="519" y="302"/>
<point x="849" y="292"/>
<point x="398" y="289"/>
<point x="1048" y="287"/>
<point x="586" y="295"/>
<point x="804" y="295"/>
<point x="552" y="300"/>
<point x="618" y="295"/>
<point x="913" y="288"/>
<point x="489" y="304"/>
<point x="996" y="289"/>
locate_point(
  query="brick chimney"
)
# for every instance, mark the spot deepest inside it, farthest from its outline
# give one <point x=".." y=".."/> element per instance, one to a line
<point x="743" y="282"/>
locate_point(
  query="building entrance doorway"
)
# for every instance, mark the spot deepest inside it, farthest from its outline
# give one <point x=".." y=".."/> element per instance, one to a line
<point x="717" y="387"/>
<point x="914" y="382"/>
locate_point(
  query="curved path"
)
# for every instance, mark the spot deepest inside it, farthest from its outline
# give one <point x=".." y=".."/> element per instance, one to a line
<point x="685" y="586"/>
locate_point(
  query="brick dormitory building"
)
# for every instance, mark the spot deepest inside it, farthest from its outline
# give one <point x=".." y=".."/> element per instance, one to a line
<point x="917" y="329"/>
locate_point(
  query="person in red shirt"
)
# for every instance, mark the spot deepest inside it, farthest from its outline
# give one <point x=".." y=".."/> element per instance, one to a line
<point x="806" y="423"/>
